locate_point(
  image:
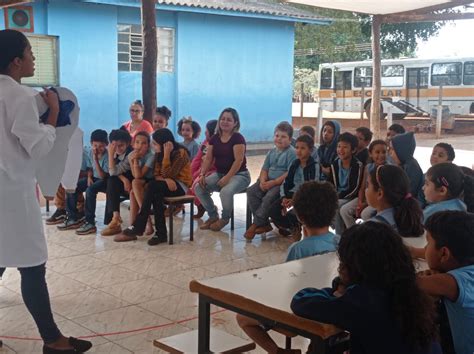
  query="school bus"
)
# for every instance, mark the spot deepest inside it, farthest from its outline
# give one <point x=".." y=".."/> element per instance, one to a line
<point x="410" y="87"/>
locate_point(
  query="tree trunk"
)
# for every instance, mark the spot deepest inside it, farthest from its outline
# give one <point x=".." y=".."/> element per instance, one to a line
<point x="376" y="77"/>
<point x="150" y="57"/>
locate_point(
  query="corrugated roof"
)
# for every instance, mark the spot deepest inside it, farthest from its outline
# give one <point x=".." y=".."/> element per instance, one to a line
<point x="251" y="6"/>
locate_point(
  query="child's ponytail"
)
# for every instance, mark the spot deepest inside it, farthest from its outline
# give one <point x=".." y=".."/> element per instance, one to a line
<point x="396" y="188"/>
<point x="452" y="177"/>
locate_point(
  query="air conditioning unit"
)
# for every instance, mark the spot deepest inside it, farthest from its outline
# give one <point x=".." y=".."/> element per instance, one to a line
<point x="19" y="18"/>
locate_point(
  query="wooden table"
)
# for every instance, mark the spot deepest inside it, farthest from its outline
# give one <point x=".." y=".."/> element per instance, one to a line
<point x="266" y="293"/>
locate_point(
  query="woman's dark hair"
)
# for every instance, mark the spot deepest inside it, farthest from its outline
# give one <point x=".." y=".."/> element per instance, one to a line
<point x="163" y="111"/>
<point x="449" y="150"/>
<point x="374" y="256"/>
<point x="12" y="45"/>
<point x="451" y="177"/>
<point x="211" y="127"/>
<point x="397" y="128"/>
<point x="145" y="134"/>
<point x="376" y="142"/>
<point x="194" y="126"/>
<point x="396" y="188"/>
<point x="453" y="229"/>
<point x="120" y="135"/>
<point x="138" y="103"/>
<point x="314" y="214"/>
<point x="307" y="140"/>
<point x="235" y="116"/>
<point x="161" y="137"/>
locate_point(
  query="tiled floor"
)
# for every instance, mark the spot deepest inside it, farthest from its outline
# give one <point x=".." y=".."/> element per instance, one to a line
<point x="99" y="287"/>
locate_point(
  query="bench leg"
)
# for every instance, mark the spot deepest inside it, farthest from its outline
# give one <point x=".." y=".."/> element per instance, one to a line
<point x="171" y="208"/>
<point x="47" y="205"/>
<point x="204" y="325"/>
<point x="191" y="216"/>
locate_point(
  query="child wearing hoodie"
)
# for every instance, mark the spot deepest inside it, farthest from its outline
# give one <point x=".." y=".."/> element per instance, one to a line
<point x="327" y="150"/>
<point x="401" y="151"/>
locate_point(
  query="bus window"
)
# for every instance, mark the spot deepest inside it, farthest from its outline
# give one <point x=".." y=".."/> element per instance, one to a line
<point x="413" y="80"/>
<point x="326" y="78"/>
<point x="468" y="73"/>
<point x="363" y="76"/>
<point x="448" y="74"/>
<point x="392" y="75"/>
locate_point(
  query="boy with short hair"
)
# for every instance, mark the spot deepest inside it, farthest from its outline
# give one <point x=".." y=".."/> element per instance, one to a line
<point x="95" y="182"/>
<point x="309" y="130"/>
<point x="364" y="136"/>
<point x="450" y="256"/>
<point x="316" y="218"/>
<point x="304" y="168"/>
<point x="117" y="185"/>
<point x="394" y="130"/>
<point x="346" y="173"/>
<point x="266" y="190"/>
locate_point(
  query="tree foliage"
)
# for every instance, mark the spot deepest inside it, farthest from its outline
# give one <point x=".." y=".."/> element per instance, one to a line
<point x="350" y="29"/>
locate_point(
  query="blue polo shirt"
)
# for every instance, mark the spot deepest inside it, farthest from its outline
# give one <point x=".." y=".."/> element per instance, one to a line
<point x="312" y="246"/>
<point x="277" y="162"/>
<point x="450" y="204"/>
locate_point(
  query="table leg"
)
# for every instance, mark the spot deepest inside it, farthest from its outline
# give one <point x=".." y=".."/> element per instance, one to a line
<point x="204" y="325"/>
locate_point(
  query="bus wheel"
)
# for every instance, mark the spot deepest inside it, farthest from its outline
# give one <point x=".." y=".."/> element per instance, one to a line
<point x="367" y="110"/>
<point x="471" y="110"/>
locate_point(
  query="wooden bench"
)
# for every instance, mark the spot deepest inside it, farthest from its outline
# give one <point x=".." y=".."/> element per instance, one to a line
<point x="172" y="203"/>
<point x="221" y="342"/>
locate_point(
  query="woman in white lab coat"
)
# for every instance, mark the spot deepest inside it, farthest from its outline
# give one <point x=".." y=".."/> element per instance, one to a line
<point x="23" y="140"/>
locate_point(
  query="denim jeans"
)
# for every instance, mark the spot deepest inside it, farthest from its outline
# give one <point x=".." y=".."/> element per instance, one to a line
<point x="237" y="184"/>
<point x="36" y="297"/>
<point x="99" y="185"/>
<point x="260" y="202"/>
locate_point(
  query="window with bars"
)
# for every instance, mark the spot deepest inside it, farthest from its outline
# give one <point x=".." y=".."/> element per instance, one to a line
<point x="130" y="48"/>
<point x="46" y="63"/>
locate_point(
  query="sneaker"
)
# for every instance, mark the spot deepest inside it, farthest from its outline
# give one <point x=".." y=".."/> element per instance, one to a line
<point x="81" y="216"/>
<point x="70" y="224"/>
<point x="219" y="224"/>
<point x="57" y="218"/>
<point x="207" y="224"/>
<point x="86" y="229"/>
<point x="284" y="232"/>
<point x="155" y="240"/>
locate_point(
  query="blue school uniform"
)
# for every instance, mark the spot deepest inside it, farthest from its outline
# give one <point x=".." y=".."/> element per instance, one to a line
<point x="461" y="311"/>
<point x="277" y="162"/>
<point x="103" y="163"/>
<point x="450" y="204"/>
<point x="312" y="245"/>
<point x="386" y="216"/>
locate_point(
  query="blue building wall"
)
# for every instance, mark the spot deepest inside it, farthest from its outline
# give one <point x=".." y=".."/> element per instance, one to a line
<point x="239" y="62"/>
<point x="220" y="61"/>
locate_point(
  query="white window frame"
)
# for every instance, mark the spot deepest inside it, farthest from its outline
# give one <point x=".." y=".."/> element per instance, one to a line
<point x="130" y="58"/>
<point x="46" y="69"/>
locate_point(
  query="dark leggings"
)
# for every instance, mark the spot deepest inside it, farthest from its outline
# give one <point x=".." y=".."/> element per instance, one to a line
<point x="35" y="295"/>
<point x="155" y="193"/>
<point x="115" y="192"/>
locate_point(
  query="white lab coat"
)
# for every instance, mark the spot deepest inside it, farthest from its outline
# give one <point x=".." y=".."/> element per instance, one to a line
<point x="23" y="140"/>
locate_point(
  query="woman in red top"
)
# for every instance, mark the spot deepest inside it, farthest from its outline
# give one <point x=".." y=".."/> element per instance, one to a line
<point x="137" y="123"/>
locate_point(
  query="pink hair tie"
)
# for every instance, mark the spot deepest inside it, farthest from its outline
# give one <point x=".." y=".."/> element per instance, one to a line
<point x="408" y="196"/>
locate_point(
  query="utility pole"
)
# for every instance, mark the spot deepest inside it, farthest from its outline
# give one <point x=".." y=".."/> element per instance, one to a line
<point x="150" y="58"/>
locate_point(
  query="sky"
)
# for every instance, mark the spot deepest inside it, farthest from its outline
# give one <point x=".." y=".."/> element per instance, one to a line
<point x="453" y="40"/>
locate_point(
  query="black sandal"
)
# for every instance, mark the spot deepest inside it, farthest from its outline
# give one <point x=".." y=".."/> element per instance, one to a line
<point x="78" y="345"/>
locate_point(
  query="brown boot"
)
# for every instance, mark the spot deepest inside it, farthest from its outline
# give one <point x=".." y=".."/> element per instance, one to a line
<point x="263" y="229"/>
<point x="113" y="228"/>
<point x="250" y="233"/>
<point x="219" y="224"/>
<point x="207" y="224"/>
